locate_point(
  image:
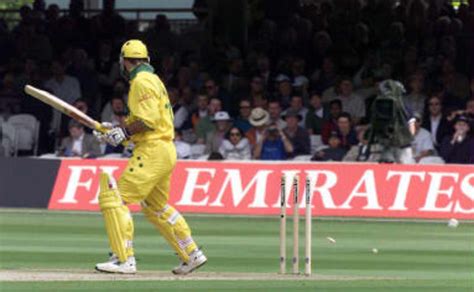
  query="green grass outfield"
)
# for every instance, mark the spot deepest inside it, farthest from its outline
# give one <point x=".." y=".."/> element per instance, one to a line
<point x="243" y="255"/>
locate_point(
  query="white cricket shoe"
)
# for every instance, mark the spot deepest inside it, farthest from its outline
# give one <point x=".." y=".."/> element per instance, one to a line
<point x="196" y="260"/>
<point x="114" y="266"/>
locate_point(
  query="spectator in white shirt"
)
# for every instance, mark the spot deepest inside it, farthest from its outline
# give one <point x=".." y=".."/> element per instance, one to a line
<point x="422" y="143"/>
<point x="63" y="86"/>
<point x="79" y="143"/>
<point x="183" y="149"/>
<point x="351" y="103"/>
<point x="118" y="113"/>
<point x="235" y="146"/>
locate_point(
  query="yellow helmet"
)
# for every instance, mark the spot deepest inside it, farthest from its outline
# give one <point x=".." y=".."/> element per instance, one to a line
<point x="134" y="49"/>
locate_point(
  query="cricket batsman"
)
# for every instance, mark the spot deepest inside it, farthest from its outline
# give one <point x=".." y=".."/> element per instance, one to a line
<point x="146" y="179"/>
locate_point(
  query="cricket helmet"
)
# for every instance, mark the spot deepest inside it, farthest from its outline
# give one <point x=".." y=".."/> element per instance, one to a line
<point x="134" y="49"/>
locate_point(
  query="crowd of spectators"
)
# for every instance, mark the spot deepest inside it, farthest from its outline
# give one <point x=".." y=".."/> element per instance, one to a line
<point x="306" y="76"/>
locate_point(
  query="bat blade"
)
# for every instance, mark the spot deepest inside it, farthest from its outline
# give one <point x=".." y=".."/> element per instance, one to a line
<point x="64" y="108"/>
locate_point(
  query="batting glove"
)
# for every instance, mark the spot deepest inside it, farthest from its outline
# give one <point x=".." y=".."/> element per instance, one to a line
<point x="101" y="136"/>
<point x="116" y="136"/>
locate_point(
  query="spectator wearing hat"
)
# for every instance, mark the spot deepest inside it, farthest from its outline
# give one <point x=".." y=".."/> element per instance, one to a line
<point x="79" y="143"/>
<point x="284" y="90"/>
<point x="297" y="135"/>
<point x="274" y="145"/>
<point x="214" y="139"/>
<point x="259" y="119"/>
<point x="235" y="146"/>
<point x="459" y="147"/>
<point x="205" y="124"/>
<point x="335" y="151"/>
<point x="274" y="109"/>
<point x="242" y="122"/>
<point x="422" y="143"/>
<point x="296" y="105"/>
<point x="316" y="115"/>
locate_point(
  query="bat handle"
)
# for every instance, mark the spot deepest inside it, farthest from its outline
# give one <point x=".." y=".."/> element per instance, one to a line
<point x="100" y="128"/>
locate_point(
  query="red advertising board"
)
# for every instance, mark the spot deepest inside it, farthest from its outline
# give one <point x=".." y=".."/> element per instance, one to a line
<point x="253" y="188"/>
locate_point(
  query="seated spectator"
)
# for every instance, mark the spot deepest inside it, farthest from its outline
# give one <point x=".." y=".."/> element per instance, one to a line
<point x="435" y="122"/>
<point x="351" y="103"/>
<point x="335" y="151"/>
<point x="214" y="91"/>
<point x="415" y="100"/>
<point x="257" y="91"/>
<point x="235" y="81"/>
<point x="296" y="105"/>
<point x="459" y="147"/>
<point x="297" y="135"/>
<point x="116" y="117"/>
<point x="79" y="143"/>
<point x="201" y="111"/>
<point x="63" y="86"/>
<point x="180" y="112"/>
<point x="455" y="85"/>
<point x="81" y="105"/>
<point x="325" y="77"/>
<point x="335" y="109"/>
<point x="346" y="131"/>
<point x="422" y="143"/>
<point x="242" y="122"/>
<point x="274" y="109"/>
<point x="259" y="119"/>
<point x="205" y="124"/>
<point x="118" y="114"/>
<point x="284" y="90"/>
<point x="274" y="145"/>
<point x="316" y="115"/>
<point x="235" y="146"/>
<point x="214" y="138"/>
<point x="10" y="98"/>
<point x="119" y="90"/>
<point x="183" y="149"/>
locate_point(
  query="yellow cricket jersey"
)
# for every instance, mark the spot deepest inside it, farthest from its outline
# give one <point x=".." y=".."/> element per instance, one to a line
<point x="148" y="101"/>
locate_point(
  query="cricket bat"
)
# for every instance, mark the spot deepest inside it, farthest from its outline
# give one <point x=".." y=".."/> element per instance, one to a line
<point x="65" y="108"/>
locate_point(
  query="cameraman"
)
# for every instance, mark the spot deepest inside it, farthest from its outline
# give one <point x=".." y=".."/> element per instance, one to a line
<point x="274" y="145"/>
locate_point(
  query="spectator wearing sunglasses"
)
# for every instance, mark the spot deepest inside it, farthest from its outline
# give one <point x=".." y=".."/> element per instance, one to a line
<point x="235" y="146"/>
